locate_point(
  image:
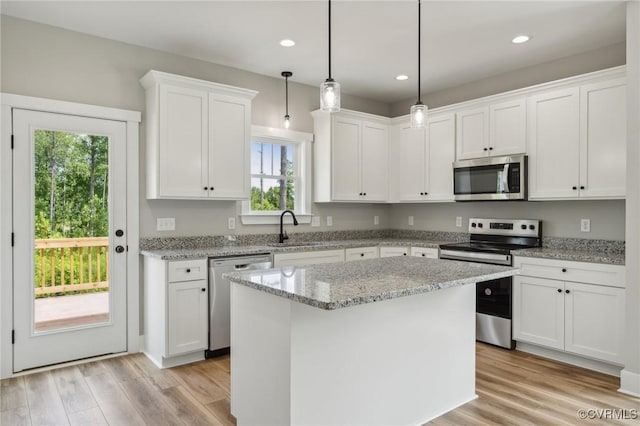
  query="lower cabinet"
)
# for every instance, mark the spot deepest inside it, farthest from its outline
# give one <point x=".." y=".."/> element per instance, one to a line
<point x="394" y="251"/>
<point x="176" y="320"/>
<point x="578" y="318"/>
<point x="428" y="252"/>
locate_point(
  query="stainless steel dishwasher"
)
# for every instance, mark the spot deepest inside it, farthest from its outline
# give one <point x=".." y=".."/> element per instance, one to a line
<point x="219" y="303"/>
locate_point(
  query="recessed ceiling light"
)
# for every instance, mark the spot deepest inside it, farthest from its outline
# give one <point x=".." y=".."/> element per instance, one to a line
<point x="402" y="77"/>
<point x="287" y="43"/>
<point x="520" y="39"/>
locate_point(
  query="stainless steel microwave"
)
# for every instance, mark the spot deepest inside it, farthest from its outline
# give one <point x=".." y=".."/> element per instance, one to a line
<point x="497" y="178"/>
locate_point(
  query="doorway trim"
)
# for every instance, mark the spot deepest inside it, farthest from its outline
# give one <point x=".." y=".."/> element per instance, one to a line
<point x="132" y="120"/>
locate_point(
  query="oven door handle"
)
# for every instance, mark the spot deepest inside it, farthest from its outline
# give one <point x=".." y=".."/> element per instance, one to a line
<point x="475" y="255"/>
<point x="505" y="179"/>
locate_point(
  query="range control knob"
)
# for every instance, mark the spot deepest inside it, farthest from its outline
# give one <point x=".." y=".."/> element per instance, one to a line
<point x="523" y="226"/>
<point x="532" y="227"/>
<point x="480" y="225"/>
<point x="473" y="224"/>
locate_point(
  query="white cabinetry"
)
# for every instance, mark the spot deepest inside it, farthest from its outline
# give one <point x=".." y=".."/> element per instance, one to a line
<point x="493" y="130"/>
<point x="350" y="157"/>
<point x="176" y="319"/>
<point x="424" y="160"/>
<point x="307" y="258"/>
<point x="429" y="253"/>
<point x="360" y="253"/>
<point x="577" y="142"/>
<point x="394" y="251"/>
<point x="198" y="136"/>
<point x="583" y="318"/>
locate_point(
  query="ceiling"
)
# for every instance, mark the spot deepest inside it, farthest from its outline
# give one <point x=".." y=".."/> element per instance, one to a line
<point x="373" y="41"/>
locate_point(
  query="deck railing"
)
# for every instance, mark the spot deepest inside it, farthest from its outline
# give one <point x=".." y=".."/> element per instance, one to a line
<point x="65" y="265"/>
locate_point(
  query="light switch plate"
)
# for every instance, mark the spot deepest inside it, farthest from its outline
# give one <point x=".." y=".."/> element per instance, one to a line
<point x="232" y="223"/>
<point x="585" y="225"/>
<point x="410" y="220"/>
<point x="329" y="220"/>
<point x="376" y="220"/>
<point x="459" y="221"/>
<point x="315" y="221"/>
<point x="166" y="224"/>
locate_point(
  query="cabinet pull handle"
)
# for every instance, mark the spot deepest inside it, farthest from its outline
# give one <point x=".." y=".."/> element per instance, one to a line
<point x="188" y="270"/>
<point x="490" y="148"/>
<point x="567" y="291"/>
<point x="564" y="269"/>
<point x="581" y="186"/>
<point x="404" y="254"/>
<point x="559" y="290"/>
<point x="575" y="188"/>
<point x="485" y="149"/>
<point x="203" y="289"/>
<point x="422" y="193"/>
<point x="206" y="188"/>
<point x="424" y="254"/>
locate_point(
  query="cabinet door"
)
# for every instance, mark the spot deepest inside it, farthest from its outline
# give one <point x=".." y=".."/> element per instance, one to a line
<point x="360" y="253"/>
<point x="603" y="139"/>
<point x="554" y="148"/>
<point x="187" y="319"/>
<point x="394" y="251"/>
<point x="345" y="159"/>
<point x="411" y="164"/>
<point x="440" y="156"/>
<point x="183" y="147"/>
<point x="230" y="133"/>
<point x="538" y="311"/>
<point x="594" y="321"/>
<point x="375" y="152"/>
<point x="472" y="135"/>
<point x="507" y="128"/>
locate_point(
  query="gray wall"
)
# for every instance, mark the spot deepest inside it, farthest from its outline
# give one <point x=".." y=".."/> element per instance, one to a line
<point x="49" y="62"/>
<point x="559" y="218"/>
<point x="44" y="61"/>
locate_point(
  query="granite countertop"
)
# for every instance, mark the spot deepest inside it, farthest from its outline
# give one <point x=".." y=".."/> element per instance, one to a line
<point x="591" y="256"/>
<point x="238" y="250"/>
<point x="367" y="281"/>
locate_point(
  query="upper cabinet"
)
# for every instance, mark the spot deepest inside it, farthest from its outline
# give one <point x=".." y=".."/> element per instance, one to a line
<point x="198" y="138"/>
<point x="424" y="160"/>
<point x="491" y="130"/>
<point x="577" y="141"/>
<point x="350" y="157"/>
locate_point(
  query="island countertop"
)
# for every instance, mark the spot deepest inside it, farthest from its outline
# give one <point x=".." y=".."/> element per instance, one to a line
<point x="340" y="285"/>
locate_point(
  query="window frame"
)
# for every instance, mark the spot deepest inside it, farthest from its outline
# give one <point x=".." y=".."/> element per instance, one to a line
<point x="302" y="171"/>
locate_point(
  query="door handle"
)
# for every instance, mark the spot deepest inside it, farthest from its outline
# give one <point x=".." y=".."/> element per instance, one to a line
<point x="119" y="249"/>
<point x="119" y="233"/>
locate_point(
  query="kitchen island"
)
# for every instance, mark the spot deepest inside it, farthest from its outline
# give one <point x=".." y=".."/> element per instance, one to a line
<point x="381" y="341"/>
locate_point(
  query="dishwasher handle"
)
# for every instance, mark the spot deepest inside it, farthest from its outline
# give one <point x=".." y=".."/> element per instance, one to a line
<point x="241" y="267"/>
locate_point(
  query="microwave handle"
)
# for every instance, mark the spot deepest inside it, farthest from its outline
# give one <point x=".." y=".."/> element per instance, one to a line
<point x="505" y="179"/>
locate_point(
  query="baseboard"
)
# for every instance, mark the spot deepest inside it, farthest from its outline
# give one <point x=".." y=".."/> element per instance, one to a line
<point x="589" y="364"/>
<point x="629" y="383"/>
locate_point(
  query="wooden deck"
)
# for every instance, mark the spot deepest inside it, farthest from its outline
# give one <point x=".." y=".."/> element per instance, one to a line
<point x="71" y="311"/>
<point x="514" y="388"/>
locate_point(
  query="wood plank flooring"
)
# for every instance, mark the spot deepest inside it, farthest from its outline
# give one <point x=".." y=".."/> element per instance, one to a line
<point x="514" y="388"/>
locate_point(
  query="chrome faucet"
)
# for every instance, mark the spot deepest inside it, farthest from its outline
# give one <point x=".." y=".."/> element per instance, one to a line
<point x="283" y="235"/>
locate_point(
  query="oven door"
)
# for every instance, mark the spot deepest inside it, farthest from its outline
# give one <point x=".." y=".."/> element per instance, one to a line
<point x="500" y="178"/>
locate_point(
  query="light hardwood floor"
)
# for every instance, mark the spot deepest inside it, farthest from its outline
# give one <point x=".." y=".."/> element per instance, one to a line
<point x="513" y="388"/>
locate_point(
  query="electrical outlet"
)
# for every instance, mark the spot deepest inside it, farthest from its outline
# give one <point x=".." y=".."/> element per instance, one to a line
<point x="315" y="221"/>
<point x="232" y="223"/>
<point x="459" y="221"/>
<point x="585" y="225"/>
<point x="329" y="220"/>
<point x="376" y="220"/>
<point x="410" y="220"/>
<point x="166" y="224"/>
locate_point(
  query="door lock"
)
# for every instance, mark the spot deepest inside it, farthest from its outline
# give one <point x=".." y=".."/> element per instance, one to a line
<point x="119" y="249"/>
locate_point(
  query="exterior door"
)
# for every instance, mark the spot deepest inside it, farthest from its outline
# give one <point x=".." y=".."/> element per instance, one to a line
<point x="69" y="191"/>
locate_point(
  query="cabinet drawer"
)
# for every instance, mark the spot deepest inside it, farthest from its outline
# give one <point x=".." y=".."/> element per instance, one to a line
<point x="360" y="253"/>
<point x="308" y="258"/>
<point x="393" y="251"/>
<point x="590" y="273"/>
<point x="430" y="253"/>
<point x="187" y="270"/>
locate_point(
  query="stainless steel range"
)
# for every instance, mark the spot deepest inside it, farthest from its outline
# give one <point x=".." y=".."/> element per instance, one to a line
<point x="493" y="241"/>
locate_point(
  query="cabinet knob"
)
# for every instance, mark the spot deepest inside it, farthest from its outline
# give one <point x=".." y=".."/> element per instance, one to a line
<point x="188" y="270"/>
<point x="422" y="193"/>
<point x="203" y="289"/>
<point x="567" y="291"/>
<point x="364" y="193"/>
<point x="426" y="193"/>
<point x="490" y="148"/>
<point x="404" y="254"/>
<point x="485" y="149"/>
<point x="575" y="188"/>
<point x="424" y="254"/>
<point x="360" y="193"/>
<point x="581" y="186"/>
<point x="564" y="269"/>
<point x="361" y="254"/>
<point x="559" y="290"/>
<point x="206" y="188"/>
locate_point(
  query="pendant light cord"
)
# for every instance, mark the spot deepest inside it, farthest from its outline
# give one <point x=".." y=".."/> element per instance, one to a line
<point x="286" y="95"/>
<point x="329" y="39"/>
<point x="419" y="27"/>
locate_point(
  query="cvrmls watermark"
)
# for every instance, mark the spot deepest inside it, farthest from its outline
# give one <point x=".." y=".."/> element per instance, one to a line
<point x="608" y="414"/>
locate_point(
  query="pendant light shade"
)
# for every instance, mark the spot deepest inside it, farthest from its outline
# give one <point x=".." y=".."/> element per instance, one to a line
<point x="287" y="119"/>
<point x="330" y="89"/>
<point x="419" y="110"/>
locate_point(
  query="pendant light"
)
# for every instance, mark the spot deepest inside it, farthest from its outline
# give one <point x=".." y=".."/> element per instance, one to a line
<point x="330" y="89"/>
<point x="286" y="75"/>
<point x="419" y="110"/>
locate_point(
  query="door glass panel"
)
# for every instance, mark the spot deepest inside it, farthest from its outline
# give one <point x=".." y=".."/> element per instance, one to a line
<point x="71" y="228"/>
